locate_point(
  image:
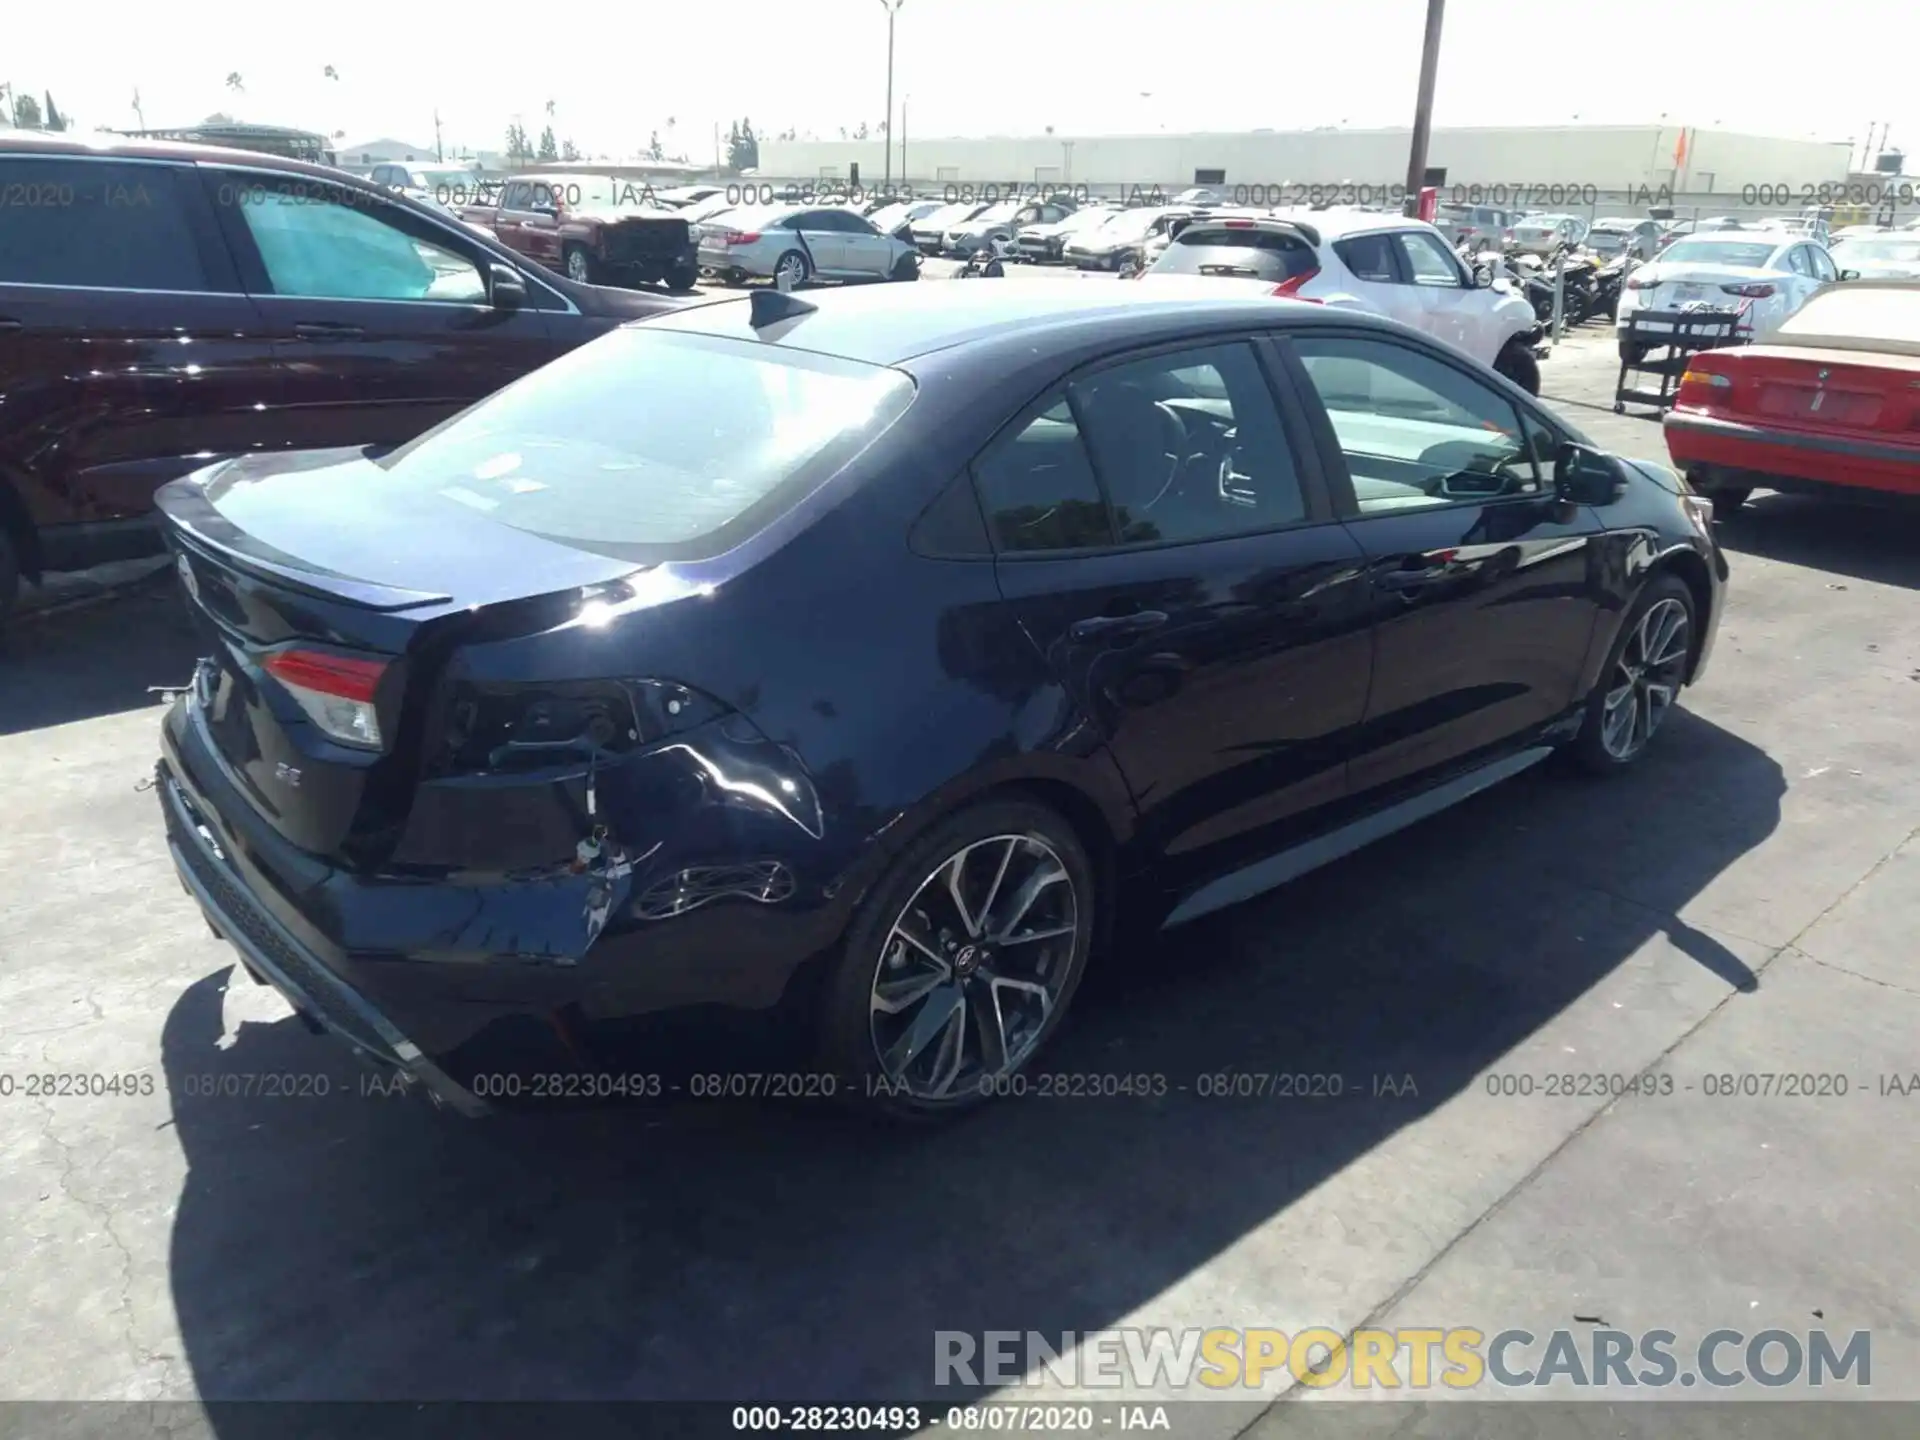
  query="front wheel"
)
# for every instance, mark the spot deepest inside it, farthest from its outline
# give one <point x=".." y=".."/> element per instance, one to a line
<point x="907" y="267"/>
<point x="961" y="962"/>
<point x="1642" y="679"/>
<point x="1517" y="363"/>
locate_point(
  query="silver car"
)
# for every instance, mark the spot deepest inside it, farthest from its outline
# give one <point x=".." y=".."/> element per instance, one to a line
<point x="1002" y="222"/>
<point x="1547" y="234"/>
<point x="1615" y="236"/>
<point x="798" y="243"/>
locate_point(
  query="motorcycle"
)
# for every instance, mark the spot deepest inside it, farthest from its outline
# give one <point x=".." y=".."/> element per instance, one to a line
<point x="988" y="262"/>
<point x="1608" y="281"/>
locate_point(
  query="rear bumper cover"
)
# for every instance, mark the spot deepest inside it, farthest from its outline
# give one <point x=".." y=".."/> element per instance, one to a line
<point x="272" y="953"/>
<point x="1792" y="456"/>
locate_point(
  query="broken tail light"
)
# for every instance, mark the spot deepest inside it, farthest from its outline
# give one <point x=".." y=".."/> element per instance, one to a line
<point x="1757" y="290"/>
<point x="335" y="691"/>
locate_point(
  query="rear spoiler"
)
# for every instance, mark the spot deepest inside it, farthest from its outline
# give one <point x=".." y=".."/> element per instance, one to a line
<point x="196" y="523"/>
<point x="1306" y="232"/>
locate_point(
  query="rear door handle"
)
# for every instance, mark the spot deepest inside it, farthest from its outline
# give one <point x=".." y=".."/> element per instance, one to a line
<point x="327" y="330"/>
<point x="8" y="324"/>
<point x="1138" y="623"/>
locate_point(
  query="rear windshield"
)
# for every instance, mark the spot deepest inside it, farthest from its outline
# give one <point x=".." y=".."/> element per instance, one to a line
<point x="1240" y="254"/>
<point x="1700" y="250"/>
<point x="652" y="446"/>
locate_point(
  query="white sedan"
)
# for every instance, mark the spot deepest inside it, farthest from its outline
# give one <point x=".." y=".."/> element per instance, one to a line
<point x="1764" y="276"/>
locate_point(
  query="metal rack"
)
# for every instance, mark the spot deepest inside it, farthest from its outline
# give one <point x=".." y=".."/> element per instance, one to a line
<point x="1664" y="351"/>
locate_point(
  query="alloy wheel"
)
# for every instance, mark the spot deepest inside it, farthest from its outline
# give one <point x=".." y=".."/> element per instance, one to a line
<point x="577" y="267"/>
<point x="1645" y="679"/>
<point x="972" y="970"/>
<point x="791" y="268"/>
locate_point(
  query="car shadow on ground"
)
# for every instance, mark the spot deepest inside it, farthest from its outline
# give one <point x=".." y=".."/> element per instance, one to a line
<point x="96" y="659"/>
<point x="355" y="1246"/>
<point x="1880" y="543"/>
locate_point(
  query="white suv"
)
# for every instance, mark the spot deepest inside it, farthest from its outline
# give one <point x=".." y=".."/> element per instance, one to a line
<point x="1383" y="264"/>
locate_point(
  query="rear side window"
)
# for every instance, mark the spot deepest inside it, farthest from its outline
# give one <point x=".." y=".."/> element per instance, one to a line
<point x="316" y="241"/>
<point x="96" y="223"/>
<point x="1369" y="257"/>
<point x="654" y="446"/>
<point x="1244" y="254"/>
<point x="1037" y="487"/>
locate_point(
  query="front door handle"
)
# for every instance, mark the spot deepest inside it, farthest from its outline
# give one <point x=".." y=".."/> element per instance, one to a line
<point x="8" y="324"/>
<point x="1137" y="623"/>
<point x="1409" y="579"/>
<point x="322" y="331"/>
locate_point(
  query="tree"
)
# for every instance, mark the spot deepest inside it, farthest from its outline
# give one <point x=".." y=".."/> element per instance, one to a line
<point x="654" y="152"/>
<point x="549" y="150"/>
<point x="26" y="112"/>
<point x="743" y="149"/>
<point x="861" y="133"/>
<point x="517" y="143"/>
<point x="330" y="72"/>
<point x="235" y="83"/>
<point x="54" y="122"/>
<point x="569" y="151"/>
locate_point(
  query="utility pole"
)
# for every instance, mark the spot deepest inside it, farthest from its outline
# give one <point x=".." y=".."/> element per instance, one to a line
<point x="1423" y="107"/>
<point x="892" y="7"/>
<point x="438" y="153"/>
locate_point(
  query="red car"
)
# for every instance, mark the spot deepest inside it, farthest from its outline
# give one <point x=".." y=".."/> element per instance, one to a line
<point x="594" y="229"/>
<point x="1829" y="404"/>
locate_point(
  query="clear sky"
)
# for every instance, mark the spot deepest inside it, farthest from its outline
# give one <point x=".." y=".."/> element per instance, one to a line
<point x="616" y="73"/>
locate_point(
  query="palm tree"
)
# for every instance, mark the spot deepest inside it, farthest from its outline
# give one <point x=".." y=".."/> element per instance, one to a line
<point x="234" y="82"/>
<point x="331" y="73"/>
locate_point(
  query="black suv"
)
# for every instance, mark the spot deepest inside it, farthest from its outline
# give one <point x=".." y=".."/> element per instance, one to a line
<point x="165" y="305"/>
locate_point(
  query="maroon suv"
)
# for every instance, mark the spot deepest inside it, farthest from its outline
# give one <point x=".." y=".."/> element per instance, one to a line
<point x="164" y="305"/>
<point x="595" y="229"/>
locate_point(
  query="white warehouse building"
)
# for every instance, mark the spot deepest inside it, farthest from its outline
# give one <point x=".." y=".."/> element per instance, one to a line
<point x="1572" y="166"/>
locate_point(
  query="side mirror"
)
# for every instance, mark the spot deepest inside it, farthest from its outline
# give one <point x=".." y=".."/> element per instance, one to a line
<point x="1483" y="277"/>
<point x="1849" y="274"/>
<point x="1585" y="476"/>
<point x="505" y="289"/>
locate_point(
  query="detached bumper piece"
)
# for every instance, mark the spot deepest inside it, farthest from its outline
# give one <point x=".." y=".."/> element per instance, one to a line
<point x="270" y="952"/>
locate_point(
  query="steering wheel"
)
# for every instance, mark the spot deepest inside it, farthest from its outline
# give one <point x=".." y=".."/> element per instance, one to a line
<point x="1173" y="450"/>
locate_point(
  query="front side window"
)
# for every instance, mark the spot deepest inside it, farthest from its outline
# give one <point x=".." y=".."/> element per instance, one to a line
<point x="1429" y="262"/>
<point x="1189" y="446"/>
<point x="1416" y="431"/>
<point x="321" y="243"/>
<point x="729" y="434"/>
<point x="98" y="224"/>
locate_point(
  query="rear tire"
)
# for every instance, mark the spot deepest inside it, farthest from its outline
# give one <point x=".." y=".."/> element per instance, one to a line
<point x="922" y="994"/>
<point x="794" y="266"/>
<point x="906" y="268"/>
<point x="580" y="265"/>
<point x="1517" y="363"/>
<point x="1650" y="655"/>
<point x="1727" y="501"/>
<point x="683" y="278"/>
<point x="1632" y="353"/>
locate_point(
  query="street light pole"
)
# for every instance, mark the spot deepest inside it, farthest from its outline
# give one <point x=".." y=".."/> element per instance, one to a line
<point x="892" y="7"/>
<point x="1423" y="107"/>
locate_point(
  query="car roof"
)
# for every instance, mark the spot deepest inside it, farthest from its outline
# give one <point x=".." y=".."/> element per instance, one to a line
<point x="107" y="145"/>
<point x="1339" y="224"/>
<point x="892" y="324"/>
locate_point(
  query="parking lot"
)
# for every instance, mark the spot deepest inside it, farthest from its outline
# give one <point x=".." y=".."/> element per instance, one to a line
<point x="1744" y="902"/>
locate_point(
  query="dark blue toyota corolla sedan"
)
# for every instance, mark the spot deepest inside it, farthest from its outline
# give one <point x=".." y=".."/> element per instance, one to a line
<point x="862" y="662"/>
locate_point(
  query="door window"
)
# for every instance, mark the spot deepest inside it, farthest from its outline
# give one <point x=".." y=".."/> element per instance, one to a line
<point x="1037" y="487"/>
<point x="1430" y="262"/>
<point x="1189" y="446"/>
<point x="97" y="224"/>
<point x="1369" y="257"/>
<point x="1798" y="261"/>
<point x="1416" y="431"/>
<point x="517" y="196"/>
<point x="1823" y="266"/>
<point x="341" y="245"/>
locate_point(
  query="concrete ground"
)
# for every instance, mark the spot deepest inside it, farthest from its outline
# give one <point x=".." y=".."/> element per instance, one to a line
<point x="1743" y="903"/>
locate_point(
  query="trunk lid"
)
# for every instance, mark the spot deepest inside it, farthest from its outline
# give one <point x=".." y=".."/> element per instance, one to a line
<point x="1829" y="392"/>
<point x="328" y="609"/>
